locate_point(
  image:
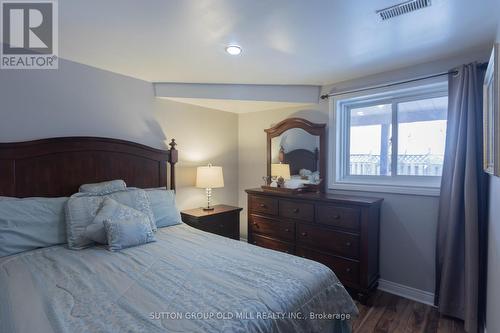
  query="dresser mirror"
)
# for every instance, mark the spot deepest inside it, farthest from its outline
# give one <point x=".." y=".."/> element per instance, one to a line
<point x="296" y="154"/>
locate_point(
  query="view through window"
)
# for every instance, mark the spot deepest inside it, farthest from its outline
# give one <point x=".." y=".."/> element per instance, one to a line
<point x="400" y="138"/>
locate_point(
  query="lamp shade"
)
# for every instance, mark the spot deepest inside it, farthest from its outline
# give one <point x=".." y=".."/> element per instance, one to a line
<point x="280" y="170"/>
<point x="209" y="177"/>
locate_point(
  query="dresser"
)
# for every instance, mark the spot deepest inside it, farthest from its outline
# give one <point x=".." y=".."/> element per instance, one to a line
<point x="223" y="220"/>
<point x="342" y="232"/>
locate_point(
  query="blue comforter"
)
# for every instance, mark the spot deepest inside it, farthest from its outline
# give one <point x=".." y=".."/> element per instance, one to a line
<point x="187" y="281"/>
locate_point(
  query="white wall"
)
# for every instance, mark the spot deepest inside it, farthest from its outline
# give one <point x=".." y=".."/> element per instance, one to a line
<point x="493" y="286"/>
<point x="421" y="70"/>
<point x="81" y="100"/>
<point x="408" y="222"/>
<point x="292" y="139"/>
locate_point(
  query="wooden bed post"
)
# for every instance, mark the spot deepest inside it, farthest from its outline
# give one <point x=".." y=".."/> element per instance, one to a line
<point x="173" y="157"/>
<point x="281" y="155"/>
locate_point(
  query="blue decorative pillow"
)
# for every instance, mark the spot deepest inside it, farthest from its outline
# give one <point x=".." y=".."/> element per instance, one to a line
<point x="30" y="223"/>
<point x="82" y="208"/>
<point x="122" y="232"/>
<point x="164" y="208"/>
<point x="110" y="210"/>
<point x="104" y="187"/>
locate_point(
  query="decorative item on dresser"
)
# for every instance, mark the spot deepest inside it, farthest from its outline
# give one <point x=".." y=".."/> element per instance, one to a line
<point x="339" y="231"/>
<point x="223" y="220"/>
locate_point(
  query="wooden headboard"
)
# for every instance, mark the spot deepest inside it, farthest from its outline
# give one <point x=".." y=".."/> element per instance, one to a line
<point x="301" y="159"/>
<point x="58" y="166"/>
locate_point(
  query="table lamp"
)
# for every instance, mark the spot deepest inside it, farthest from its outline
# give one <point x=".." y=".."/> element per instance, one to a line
<point x="209" y="177"/>
<point x="280" y="171"/>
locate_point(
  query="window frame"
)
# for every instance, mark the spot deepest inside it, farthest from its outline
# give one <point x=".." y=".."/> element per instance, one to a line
<point x="340" y="107"/>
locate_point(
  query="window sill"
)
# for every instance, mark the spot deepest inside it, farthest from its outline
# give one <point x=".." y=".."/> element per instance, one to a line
<point x="384" y="188"/>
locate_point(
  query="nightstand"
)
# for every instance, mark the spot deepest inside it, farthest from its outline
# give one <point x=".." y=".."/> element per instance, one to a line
<point x="224" y="220"/>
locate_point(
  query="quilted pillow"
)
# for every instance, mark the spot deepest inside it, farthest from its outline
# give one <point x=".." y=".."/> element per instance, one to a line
<point x="111" y="210"/>
<point x="122" y="233"/>
<point x="164" y="208"/>
<point x="104" y="187"/>
<point x="82" y="208"/>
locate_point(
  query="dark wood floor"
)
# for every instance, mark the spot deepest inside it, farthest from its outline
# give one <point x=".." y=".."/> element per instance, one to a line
<point x="390" y="313"/>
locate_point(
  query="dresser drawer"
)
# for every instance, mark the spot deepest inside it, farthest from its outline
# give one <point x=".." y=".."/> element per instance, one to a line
<point x="264" y="205"/>
<point x="297" y="210"/>
<point x="274" y="228"/>
<point x="338" y="216"/>
<point x="340" y="243"/>
<point x="273" y="244"/>
<point x="346" y="270"/>
<point x="340" y="231"/>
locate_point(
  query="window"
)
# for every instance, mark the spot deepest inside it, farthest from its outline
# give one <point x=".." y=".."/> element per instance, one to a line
<point x="391" y="141"/>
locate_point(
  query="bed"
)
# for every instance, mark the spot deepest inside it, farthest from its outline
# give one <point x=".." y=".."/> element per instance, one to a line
<point x="186" y="281"/>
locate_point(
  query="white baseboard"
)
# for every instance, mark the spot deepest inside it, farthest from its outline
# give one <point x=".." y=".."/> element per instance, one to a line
<point x="406" y="292"/>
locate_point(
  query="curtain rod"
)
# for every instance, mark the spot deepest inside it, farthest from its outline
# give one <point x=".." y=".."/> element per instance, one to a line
<point x="452" y="72"/>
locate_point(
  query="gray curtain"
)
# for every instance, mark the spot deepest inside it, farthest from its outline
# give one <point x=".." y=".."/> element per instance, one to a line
<point x="461" y="242"/>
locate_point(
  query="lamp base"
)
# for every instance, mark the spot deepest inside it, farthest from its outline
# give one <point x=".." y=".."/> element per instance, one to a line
<point x="208" y="208"/>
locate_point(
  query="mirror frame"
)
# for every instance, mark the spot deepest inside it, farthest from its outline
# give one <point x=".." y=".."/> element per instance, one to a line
<point x="311" y="128"/>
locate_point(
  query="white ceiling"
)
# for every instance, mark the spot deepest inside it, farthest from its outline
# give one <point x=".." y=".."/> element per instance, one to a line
<point x="239" y="98"/>
<point x="284" y="41"/>
<point x="236" y="106"/>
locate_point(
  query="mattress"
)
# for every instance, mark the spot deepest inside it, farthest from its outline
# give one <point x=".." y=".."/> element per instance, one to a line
<point x="186" y="281"/>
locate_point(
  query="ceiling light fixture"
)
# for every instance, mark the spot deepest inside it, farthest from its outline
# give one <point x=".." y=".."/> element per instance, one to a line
<point x="233" y="49"/>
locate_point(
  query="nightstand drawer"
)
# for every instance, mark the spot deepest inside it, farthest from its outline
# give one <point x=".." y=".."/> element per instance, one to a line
<point x="340" y="243"/>
<point x="264" y="205"/>
<point x="297" y="210"/>
<point x="273" y="244"/>
<point x="220" y="225"/>
<point x="346" y="270"/>
<point x="222" y="220"/>
<point x="274" y="228"/>
<point x="338" y="216"/>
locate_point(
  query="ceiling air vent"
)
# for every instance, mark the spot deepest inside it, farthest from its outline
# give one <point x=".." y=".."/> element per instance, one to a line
<point x="402" y="8"/>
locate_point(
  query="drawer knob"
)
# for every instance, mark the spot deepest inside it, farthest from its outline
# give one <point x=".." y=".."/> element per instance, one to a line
<point x="348" y="244"/>
<point x="262" y="205"/>
<point x="304" y="233"/>
<point x="287" y="230"/>
<point x="296" y="210"/>
<point x="348" y="270"/>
